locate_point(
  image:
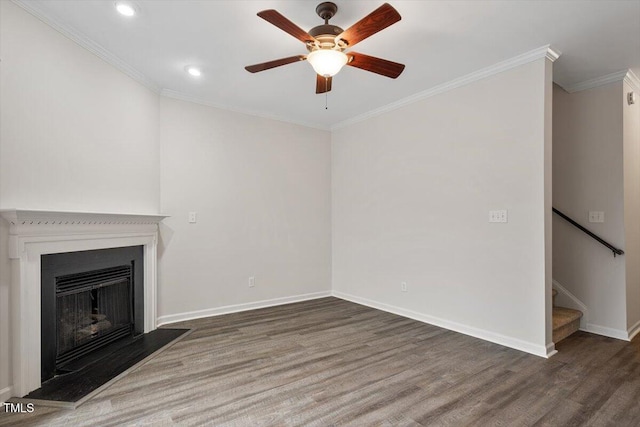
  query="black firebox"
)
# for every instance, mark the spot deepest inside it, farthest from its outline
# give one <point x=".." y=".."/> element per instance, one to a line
<point x="90" y="299"/>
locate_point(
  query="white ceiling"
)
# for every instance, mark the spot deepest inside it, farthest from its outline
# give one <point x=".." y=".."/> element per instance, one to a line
<point x="437" y="40"/>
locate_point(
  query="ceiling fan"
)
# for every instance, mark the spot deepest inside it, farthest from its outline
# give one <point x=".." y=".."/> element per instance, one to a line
<point x="327" y="44"/>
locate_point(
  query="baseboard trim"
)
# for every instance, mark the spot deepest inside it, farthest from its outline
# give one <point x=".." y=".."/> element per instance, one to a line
<point x="551" y="350"/>
<point x="590" y="327"/>
<point x="6" y="393"/>
<point x="228" y="309"/>
<point x="633" y="331"/>
<point x="577" y="304"/>
<point x="607" y="332"/>
<point x="537" y="350"/>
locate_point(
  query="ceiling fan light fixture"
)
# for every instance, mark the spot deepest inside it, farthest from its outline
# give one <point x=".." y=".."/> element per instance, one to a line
<point x="326" y="44"/>
<point x="327" y="62"/>
<point x="125" y="8"/>
<point x="193" y="71"/>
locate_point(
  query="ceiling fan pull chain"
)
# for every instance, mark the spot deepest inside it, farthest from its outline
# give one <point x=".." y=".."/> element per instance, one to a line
<point x="326" y="92"/>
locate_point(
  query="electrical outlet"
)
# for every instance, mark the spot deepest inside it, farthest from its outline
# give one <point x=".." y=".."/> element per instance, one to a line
<point x="193" y="217"/>
<point x="403" y="286"/>
<point x="252" y="281"/>
<point x="498" y="216"/>
<point x="596" y="216"/>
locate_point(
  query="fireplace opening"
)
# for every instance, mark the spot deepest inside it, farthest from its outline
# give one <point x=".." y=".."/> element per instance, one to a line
<point x="93" y="309"/>
<point x="91" y="301"/>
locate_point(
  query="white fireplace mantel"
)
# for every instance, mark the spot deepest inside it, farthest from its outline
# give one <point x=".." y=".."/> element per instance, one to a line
<point x="33" y="233"/>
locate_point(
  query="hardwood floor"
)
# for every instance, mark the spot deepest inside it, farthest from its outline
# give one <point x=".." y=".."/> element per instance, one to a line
<point x="331" y="362"/>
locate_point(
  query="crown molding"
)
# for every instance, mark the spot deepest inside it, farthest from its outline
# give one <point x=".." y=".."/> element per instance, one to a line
<point x="98" y="50"/>
<point x="101" y="52"/>
<point x="627" y="76"/>
<point x="168" y="93"/>
<point x="632" y="80"/>
<point x="552" y="54"/>
<point x="595" y="82"/>
<point x="525" y="58"/>
<point x="89" y="44"/>
<point x="121" y="65"/>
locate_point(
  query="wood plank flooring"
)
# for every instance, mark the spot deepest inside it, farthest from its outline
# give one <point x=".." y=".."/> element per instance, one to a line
<point x="331" y="362"/>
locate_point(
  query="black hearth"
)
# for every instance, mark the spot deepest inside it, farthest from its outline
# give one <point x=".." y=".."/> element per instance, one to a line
<point x="90" y="300"/>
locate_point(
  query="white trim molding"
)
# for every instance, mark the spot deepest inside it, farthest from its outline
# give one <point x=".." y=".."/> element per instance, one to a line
<point x="5" y="394"/>
<point x="576" y="304"/>
<point x="585" y="325"/>
<point x="236" y="308"/>
<point x="633" y="331"/>
<point x="525" y="58"/>
<point x="598" y="81"/>
<point x="515" y="343"/>
<point x="108" y="56"/>
<point x="551" y="350"/>
<point x="624" y="75"/>
<point x="93" y="47"/>
<point x="20" y="217"/>
<point x="632" y="80"/>
<point x="551" y="53"/>
<point x="36" y="233"/>
<point x="619" y="334"/>
<point x="168" y="93"/>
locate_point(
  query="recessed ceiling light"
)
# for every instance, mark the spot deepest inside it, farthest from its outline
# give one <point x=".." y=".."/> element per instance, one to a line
<point x="125" y="9"/>
<point x="195" y="72"/>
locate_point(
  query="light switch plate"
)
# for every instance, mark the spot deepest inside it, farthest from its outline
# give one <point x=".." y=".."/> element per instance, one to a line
<point x="498" y="216"/>
<point x="596" y="216"/>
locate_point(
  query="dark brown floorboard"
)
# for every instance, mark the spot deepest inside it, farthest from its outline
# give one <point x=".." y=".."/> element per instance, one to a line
<point x="331" y="362"/>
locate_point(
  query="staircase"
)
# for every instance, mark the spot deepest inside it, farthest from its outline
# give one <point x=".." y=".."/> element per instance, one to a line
<point x="565" y="321"/>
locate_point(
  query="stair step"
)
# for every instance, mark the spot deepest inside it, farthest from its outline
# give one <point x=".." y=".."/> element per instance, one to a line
<point x="565" y="322"/>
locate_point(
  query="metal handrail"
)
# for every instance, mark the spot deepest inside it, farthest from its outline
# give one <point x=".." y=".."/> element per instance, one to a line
<point x="613" y="249"/>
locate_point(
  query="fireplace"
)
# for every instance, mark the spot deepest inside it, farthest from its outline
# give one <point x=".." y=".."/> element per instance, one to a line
<point x="88" y="302"/>
<point x="33" y="236"/>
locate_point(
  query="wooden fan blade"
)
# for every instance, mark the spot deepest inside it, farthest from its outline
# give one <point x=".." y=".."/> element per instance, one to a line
<point x="272" y="64"/>
<point x="375" y="65"/>
<point x="276" y="18"/>
<point x="376" y="21"/>
<point x="323" y="84"/>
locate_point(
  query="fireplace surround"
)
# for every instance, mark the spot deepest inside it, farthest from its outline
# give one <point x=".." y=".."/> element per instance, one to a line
<point x="36" y="233"/>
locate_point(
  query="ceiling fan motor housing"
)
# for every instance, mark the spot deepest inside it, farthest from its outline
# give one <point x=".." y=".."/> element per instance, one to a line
<point x="326" y="34"/>
<point x="325" y="30"/>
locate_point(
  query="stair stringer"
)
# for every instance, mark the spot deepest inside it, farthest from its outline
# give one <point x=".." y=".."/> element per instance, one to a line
<point x="569" y="300"/>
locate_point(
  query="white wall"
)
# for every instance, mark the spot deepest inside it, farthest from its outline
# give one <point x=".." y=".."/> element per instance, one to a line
<point x="76" y="134"/>
<point x="588" y="176"/>
<point x="411" y="193"/>
<point x="261" y="190"/>
<point x="631" y="143"/>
